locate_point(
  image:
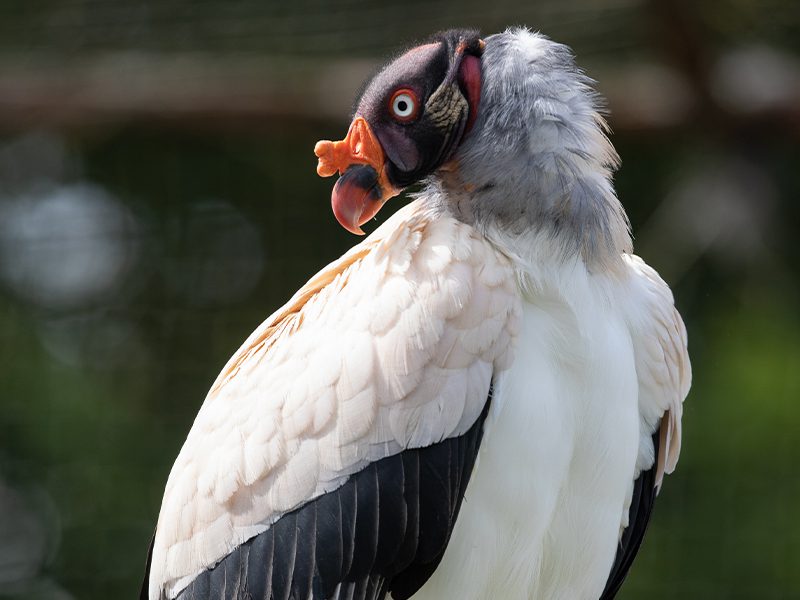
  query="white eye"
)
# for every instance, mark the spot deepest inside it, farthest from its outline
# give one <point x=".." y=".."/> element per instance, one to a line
<point x="404" y="105"/>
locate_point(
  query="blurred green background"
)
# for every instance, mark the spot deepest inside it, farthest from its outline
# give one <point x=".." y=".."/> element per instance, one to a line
<point x="158" y="200"/>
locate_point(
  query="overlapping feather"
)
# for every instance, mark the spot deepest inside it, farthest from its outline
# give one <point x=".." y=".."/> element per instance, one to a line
<point x="393" y="346"/>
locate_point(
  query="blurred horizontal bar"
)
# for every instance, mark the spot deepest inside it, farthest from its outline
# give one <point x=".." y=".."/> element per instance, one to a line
<point x="200" y="91"/>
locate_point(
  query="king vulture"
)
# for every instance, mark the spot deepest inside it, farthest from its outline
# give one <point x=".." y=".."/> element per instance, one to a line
<point x="481" y="399"/>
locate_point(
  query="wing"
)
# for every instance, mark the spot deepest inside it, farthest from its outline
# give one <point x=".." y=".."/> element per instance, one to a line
<point x="641" y="507"/>
<point x="391" y="348"/>
<point x="662" y="367"/>
<point x="664" y="373"/>
<point x="384" y="530"/>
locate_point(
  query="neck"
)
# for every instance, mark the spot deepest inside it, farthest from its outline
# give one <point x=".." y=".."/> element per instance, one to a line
<point x="556" y="219"/>
<point x="535" y="173"/>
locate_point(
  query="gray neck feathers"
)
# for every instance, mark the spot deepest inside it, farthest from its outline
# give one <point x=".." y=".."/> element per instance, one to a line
<point x="537" y="164"/>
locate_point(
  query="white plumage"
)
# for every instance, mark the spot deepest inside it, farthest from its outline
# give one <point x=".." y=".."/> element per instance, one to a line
<point x="599" y="361"/>
<point x="396" y="345"/>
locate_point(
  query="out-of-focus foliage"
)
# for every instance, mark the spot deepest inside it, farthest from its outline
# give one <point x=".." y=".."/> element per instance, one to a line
<point x="135" y="256"/>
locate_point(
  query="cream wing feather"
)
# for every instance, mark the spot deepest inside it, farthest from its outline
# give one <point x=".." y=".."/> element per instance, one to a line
<point x="662" y="366"/>
<point x="393" y="346"/>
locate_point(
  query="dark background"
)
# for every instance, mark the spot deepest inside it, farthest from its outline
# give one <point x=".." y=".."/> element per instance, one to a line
<point x="158" y="200"/>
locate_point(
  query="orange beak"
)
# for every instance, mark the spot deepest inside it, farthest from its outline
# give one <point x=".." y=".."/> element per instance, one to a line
<point x="363" y="187"/>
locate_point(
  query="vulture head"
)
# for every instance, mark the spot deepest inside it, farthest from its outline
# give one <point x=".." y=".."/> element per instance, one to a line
<point x="506" y="133"/>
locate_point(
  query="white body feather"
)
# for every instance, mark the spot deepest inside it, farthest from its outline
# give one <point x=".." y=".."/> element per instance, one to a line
<point x="543" y="510"/>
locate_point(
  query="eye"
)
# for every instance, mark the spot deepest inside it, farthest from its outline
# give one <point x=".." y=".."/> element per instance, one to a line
<point x="404" y="105"/>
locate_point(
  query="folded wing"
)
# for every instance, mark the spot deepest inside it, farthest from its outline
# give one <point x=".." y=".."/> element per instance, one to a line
<point x="392" y="347"/>
<point x="665" y="375"/>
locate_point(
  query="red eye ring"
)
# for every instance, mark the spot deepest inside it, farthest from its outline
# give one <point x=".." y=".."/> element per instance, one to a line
<point x="404" y="105"/>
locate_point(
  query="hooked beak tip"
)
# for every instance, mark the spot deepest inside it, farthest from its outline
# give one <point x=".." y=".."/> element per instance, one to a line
<point x="356" y="197"/>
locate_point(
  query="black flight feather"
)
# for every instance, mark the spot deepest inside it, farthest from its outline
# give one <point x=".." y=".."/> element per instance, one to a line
<point x="385" y="530"/>
<point x="644" y="496"/>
